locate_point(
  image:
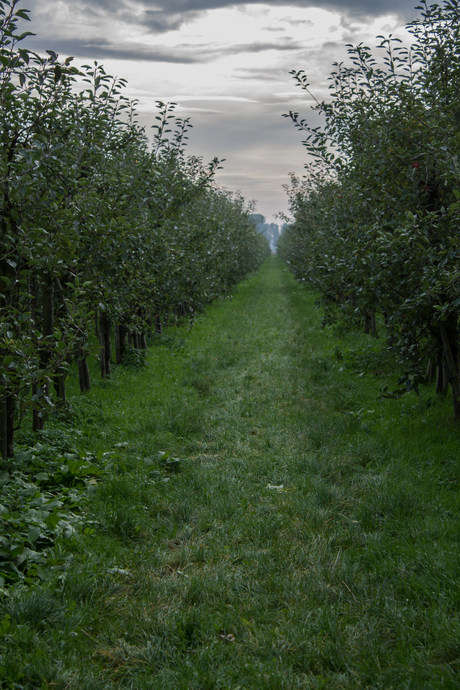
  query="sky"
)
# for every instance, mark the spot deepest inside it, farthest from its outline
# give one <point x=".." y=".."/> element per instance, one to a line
<point x="226" y="65"/>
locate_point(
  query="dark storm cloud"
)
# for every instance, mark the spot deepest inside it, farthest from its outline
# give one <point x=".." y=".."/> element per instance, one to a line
<point x="367" y="6"/>
<point x="404" y="8"/>
<point x="159" y="21"/>
<point x="165" y="15"/>
<point x="160" y="16"/>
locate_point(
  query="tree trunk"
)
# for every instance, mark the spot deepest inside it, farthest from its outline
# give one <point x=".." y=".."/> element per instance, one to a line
<point x="37" y="422"/>
<point x="158" y="325"/>
<point x="449" y="336"/>
<point x="445" y="378"/>
<point x="430" y="371"/>
<point x="7" y="409"/>
<point x="83" y="375"/>
<point x="48" y="307"/>
<point x="367" y="323"/>
<point x="117" y="344"/>
<point x="439" y="379"/>
<point x="102" y="347"/>
<point x="3" y="412"/>
<point x="121" y="342"/>
<point x="59" y="383"/>
<point x="37" y="419"/>
<point x="374" y="331"/>
<point x="439" y="375"/>
<point x="10" y="409"/>
<point x="4" y="429"/>
<point x="102" y="352"/>
<point x="105" y="345"/>
<point x="9" y="300"/>
<point x="142" y="341"/>
<point x="370" y="326"/>
<point x="61" y="371"/>
<point x="48" y="329"/>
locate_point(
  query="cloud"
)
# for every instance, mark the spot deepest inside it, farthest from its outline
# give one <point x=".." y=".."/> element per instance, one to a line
<point x="157" y="30"/>
<point x="226" y="63"/>
<point x="258" y="158"/>
<point x="369" y="8"/>
<point x="160" y="21"/>
<point x="162" y="16"/>
<point x="261" y="74"/>
<point x="100" y="49"/>
<point x="222" y="97"/>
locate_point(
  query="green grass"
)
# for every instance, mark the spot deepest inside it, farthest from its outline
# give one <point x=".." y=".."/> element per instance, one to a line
<point x="300" y="533"/>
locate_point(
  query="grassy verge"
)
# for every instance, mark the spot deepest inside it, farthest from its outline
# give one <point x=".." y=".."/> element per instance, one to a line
<point x="297" y="533"/>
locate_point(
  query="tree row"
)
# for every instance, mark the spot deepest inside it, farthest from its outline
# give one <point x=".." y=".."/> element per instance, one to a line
<point x="101" y="226"/>
<point x="376" y="218"/>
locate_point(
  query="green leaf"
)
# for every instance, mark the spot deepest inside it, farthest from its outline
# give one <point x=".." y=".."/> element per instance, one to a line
<point x="43" y="573"/>
<point x="33" y="534"/>
<point x="52" y="520"/>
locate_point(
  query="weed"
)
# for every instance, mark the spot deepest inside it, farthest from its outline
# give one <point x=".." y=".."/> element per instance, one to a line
<point x="40" y="609"/>
<point x="134" y="358"/>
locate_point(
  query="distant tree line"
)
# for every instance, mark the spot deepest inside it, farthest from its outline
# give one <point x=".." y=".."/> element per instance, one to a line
<point x="272" y="231"/>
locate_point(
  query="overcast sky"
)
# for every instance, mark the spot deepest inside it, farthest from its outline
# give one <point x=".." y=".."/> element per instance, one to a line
<point x="226" y="65"/>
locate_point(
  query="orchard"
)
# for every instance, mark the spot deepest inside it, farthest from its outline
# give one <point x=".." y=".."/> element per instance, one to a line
<point x="101" y="228"/>
<point x="376" y="217"/>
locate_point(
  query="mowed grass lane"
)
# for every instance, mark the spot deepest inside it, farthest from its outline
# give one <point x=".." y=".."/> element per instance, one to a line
<point x="295" y="543"/>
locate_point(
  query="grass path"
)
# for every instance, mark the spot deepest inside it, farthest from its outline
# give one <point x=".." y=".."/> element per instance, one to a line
<point x="291" y="545"/>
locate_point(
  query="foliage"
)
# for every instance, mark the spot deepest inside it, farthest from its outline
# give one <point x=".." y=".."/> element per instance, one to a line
<point x="376" y="220"/>
<point x="97" y="222"/>
<point x="41" y="500"/>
